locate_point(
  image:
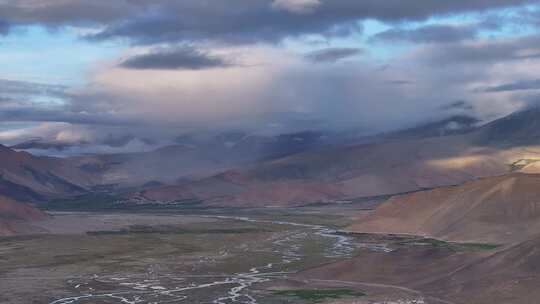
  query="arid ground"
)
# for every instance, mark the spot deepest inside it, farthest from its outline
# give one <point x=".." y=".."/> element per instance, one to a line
<point x="253" y="256"/>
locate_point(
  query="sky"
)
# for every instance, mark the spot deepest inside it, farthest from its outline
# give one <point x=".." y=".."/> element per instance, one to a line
<point x="128" y="75"/>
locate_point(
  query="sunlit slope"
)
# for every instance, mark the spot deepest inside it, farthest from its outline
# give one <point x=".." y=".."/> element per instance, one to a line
<point x="499" y="209"/>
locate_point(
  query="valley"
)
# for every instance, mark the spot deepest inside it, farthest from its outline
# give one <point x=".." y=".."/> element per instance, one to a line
<point x="218" y="256"/>
<point x="404" y="220"/>
<point x="160" y="258"/>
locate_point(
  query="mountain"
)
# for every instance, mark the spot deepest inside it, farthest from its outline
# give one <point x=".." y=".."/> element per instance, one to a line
<point x="441" y="274"/>
<point x="13" y="213"/>
<point x="194" y="157"/>
<point x="521" y="128"/>
<point x="498" y="209"/>
<point x="240" y="169"/>
<point x="30" y="178"/>
<point x="377" y="168"/>
<point x="508" y="276"/>
<point x="38" y="144"/>
<point x="454" y="125"/>
<point x="352" y="172"/>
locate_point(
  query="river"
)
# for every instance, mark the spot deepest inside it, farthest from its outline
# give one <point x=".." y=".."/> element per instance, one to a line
<point x="225" y="289"/>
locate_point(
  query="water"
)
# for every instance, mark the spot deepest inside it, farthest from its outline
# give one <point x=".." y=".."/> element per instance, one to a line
<point x="232" y="288"/>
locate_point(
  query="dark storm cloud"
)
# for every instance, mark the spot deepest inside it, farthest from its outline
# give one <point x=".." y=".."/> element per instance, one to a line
<point x="73" y="12"/>
<point x="427" y="34"/>
<point x="232" y="21"/>
<point x="185" y="58"/>
<point x="332" y="54"/>
<point x="515" y="86"/>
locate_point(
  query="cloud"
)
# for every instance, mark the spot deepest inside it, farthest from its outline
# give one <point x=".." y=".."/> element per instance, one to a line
<point x="188" y="58"/>
<point x="68" y="12"/>
<point x="427" y="34"/>
<point x="234" y="21"/>
<point x="282" y="92"/>
<point x="26" y="88"/>
<point x="442" y="33"/>
<point x="332" y="54"/>
<point x="237" y="69"/>
<point x="483" y="51"/>
<point x="297" y="6"/>
<point x="64" y="139"/>
<point x="276" y="90"/>
<point x="515" y="86"/>
<point x="4" y="27"/>
<point x="400" y="82"/>
<point x="60" y="114"/>
<point x="458" y="105"/>
<point x="117" y="141"/>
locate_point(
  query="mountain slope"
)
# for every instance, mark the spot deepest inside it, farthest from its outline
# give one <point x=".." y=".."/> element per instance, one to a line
<point x="194" y="158"/>
<point x="27" y="177"/>
<point x="495" y="210"/>
<point x="509" y="275"/>
<point x="379" y="168"/>
<point x="521" y="128"/>
<point x="357" y="171"/>
<point x="13" y="213"/>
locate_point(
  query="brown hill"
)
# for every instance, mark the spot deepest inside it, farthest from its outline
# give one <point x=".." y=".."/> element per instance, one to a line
<point x="225" y="190"/>
<point x="509" y="275"/>
<point x="395" y="164"/>
<point x="497" y="209"/>
<point x="30" y="178"/>
<point x="13" y="213"/>
<point x="344" y="173"/>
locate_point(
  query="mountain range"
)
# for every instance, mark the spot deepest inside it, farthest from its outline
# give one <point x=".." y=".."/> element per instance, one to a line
<point x="236" y="169"/>
<point x="388" y="166"/>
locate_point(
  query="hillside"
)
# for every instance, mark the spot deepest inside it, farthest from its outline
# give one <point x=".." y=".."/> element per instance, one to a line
<point x="30" y="178"/>
<point x="521" y="128"/>
<point x="508" y="275"/>
<point x="353" y="172"/>
<point x="194" y="158"/>
<point x="13" y="213"/>
<point x="495" y="210"/>
<point x="386" y="167"/>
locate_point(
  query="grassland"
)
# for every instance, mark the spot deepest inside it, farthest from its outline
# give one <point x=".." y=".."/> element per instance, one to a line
<point x="319" y="295"/>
